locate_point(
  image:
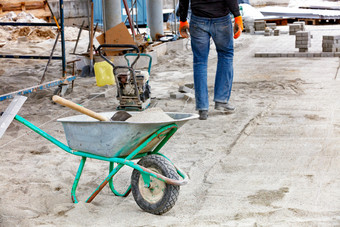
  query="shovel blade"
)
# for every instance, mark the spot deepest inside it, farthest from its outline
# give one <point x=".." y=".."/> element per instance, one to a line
<point x="87" y="71"/>
<point x="9" y="114"/>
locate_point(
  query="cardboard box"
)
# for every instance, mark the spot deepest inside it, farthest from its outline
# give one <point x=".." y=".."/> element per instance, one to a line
<point x="119" y="34"/>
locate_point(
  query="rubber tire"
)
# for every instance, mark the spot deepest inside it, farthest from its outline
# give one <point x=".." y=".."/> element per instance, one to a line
<point x="170" y="193"/>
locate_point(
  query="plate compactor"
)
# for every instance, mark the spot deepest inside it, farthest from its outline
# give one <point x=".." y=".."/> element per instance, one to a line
<point x="133" y="89"/>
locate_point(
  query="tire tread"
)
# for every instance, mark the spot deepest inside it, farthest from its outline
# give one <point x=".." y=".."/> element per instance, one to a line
<point x="172" y="191"/>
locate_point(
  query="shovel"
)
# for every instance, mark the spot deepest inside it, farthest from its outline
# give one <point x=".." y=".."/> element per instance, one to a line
<point x="88" y="70"/>
<point x="118" y="116"/>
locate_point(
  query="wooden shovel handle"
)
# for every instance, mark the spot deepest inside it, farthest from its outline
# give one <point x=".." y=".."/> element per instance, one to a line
<point x="78" y="108"/>
<point x="91" y="33"/>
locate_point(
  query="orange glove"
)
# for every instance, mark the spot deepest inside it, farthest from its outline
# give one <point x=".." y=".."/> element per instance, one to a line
<point x="183" y="29"/>
<point x="238" y="27"/>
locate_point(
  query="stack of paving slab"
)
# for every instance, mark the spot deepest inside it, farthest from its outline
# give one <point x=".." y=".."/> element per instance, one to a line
<point x="277" y="32"/>
<point x="259" y="25"/>
<point x="271" y="25"/>
<point x="249" y="25"/>
<point x="303" y="41"/>
<point x="268" y="31"/>
<point x="331" y="43"/>
<point x="296" y="27"/>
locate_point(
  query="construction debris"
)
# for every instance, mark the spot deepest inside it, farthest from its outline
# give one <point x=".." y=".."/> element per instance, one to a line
<point x="176" y="95"/>
<point x="184" y="91"/>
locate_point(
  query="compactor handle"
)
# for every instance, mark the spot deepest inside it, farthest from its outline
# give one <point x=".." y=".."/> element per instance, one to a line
<point x="128" y="47"/>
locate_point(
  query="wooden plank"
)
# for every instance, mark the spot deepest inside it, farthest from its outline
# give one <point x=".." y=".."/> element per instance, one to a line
<point x="310" y="21"/>
<point x="18" y="1"/>
<point x="9" y="114"/>
<point x="23" y="6"/>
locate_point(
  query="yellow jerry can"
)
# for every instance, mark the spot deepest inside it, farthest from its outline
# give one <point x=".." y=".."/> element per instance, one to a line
<point x="104" y="74"/>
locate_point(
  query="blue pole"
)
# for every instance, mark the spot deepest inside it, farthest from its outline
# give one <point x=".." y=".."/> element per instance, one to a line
<point x="61" y="5"/>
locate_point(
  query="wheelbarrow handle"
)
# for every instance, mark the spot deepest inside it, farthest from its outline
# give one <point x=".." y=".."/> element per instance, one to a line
<point x="166" y="179"/>
<point x="78" y="108"/>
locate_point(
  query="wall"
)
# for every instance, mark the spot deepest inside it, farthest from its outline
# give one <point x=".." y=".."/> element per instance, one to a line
<point x="75" y="11"/>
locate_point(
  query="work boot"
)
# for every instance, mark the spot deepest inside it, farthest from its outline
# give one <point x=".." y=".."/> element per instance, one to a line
<point x="203" y="114"/>
<point x="224" y="107"/>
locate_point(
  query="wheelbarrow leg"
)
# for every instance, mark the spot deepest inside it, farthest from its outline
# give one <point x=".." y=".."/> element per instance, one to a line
<point x="102" y="185"/>
<point x="127" y="161"/>
<point x="127" y="192"/>
<point x="76" y="180"/>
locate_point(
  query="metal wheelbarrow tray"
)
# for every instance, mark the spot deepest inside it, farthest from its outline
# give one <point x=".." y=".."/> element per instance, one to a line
<point x="155" y="180"/>
<point x="113" y="138"/>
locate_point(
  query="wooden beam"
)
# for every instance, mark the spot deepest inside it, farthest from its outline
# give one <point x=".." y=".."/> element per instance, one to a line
<point x="9" y="114"/>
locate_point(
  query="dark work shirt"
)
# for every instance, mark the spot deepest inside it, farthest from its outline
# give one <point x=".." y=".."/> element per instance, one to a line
<point x="209" y="8"/>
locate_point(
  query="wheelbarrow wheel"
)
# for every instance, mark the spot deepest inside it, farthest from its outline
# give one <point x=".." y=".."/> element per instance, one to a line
<point x="160" y="197"/>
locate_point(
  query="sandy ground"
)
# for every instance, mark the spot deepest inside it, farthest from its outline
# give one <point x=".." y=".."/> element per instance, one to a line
<point x="274" y="162"/>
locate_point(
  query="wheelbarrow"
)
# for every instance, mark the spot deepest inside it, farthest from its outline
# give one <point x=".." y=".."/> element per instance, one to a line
<point x="155" y="180"/>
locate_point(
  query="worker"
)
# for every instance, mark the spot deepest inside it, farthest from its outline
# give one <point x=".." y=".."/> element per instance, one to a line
<point x="243" y="2"/>
<point x="211" y="18"/>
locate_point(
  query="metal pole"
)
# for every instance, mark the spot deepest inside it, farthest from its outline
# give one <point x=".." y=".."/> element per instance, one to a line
<point x="175" y="18"/>
<point x="49" y="60"/>
<point x="130" y="19"/>
<point x="104" y="16"/>
<point x="113" y="15"/>
<point x="136" y="4"/>
<point x="155" y="17"/>
<point x="62" y="32"/>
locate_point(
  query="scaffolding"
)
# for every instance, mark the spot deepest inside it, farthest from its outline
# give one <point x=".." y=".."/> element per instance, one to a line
<point x="64" y="81"/>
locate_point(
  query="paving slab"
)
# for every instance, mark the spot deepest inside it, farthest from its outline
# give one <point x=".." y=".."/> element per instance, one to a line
<point x="285" y="43"/>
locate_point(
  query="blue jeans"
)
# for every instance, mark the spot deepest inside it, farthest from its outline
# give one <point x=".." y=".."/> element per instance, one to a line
<point x="221" y="31"/>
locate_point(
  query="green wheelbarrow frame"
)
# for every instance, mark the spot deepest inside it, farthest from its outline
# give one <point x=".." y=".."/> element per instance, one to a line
<point x="164" y="133"/>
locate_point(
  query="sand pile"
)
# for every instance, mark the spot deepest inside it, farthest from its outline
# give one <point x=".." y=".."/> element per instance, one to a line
<point x="71" y="33"/>
<point x="150" y="115"/>
<point x="4" y="35"/>
<point x="11" y="33"/>
<point x="21" y="17"/>
<point x="36" y="34"/>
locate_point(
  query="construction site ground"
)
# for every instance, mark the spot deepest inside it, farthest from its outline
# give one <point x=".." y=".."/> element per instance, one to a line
<point x="273" y="162"/>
